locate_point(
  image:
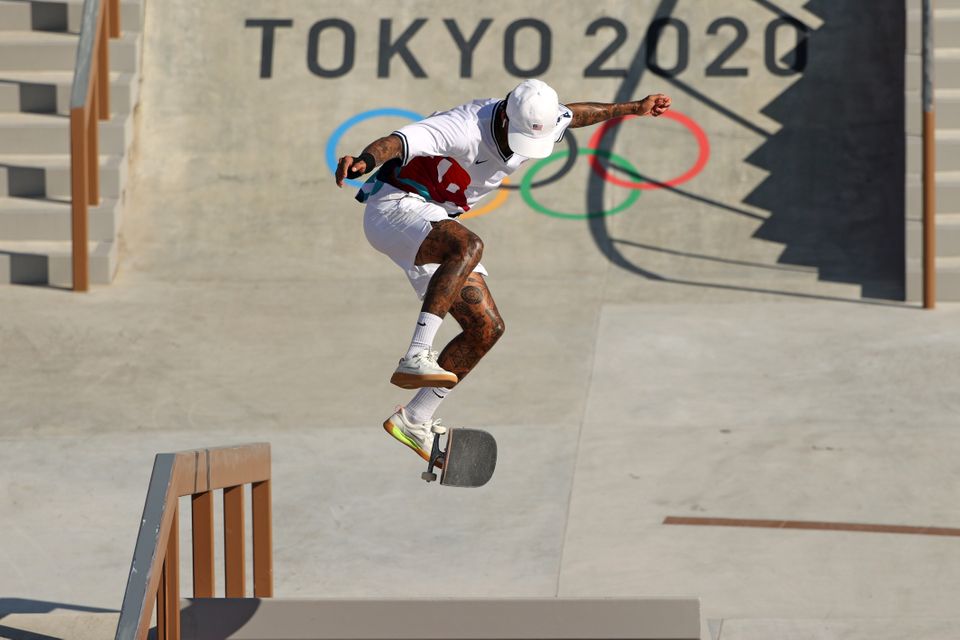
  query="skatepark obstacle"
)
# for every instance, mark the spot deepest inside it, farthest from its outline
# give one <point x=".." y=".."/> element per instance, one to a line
<point x="154" y="575"/>
<point x="154" y="572"/>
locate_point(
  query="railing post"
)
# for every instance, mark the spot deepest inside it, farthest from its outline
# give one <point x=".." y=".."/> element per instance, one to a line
<point x="168" y="596"/>
<point x="93" y="153"/>
<point x="233" y="542"/>
<point x="78" y="177"/>
<point x="103" y="69"/>
<point x="262" y="541"/>
<point x="114" y="7"/>
<point x="162" y="604"/>
<point x="929" y="165"/>
<point x="203" y="566"/>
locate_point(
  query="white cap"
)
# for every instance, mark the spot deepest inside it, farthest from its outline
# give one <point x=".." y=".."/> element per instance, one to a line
<point x="532" y="108"/>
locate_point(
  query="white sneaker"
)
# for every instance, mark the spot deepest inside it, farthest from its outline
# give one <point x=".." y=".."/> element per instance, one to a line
<point x="421" y="370"/>
<point x="418" y="437"/>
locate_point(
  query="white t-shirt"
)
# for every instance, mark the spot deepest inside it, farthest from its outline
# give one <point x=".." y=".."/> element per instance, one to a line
<point x="452" y="158"/>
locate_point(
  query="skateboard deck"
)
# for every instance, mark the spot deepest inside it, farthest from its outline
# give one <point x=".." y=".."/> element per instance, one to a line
<point x="469" y="459"/>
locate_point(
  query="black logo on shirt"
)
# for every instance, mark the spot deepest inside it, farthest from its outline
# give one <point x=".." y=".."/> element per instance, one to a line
<point x="479" y="162"/>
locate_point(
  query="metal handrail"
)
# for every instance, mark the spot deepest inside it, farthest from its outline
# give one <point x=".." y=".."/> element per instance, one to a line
<point x="101" y="18"/>
<point x="929" y="177"/>
<point x="154" y="572"/>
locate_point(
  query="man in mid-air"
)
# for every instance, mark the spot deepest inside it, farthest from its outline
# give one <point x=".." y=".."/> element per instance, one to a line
<point x="432" y="171"/>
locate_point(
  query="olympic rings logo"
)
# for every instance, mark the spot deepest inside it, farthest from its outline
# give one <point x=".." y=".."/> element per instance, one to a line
<point x="331" y="152"/>
<point x="569" y="156"/>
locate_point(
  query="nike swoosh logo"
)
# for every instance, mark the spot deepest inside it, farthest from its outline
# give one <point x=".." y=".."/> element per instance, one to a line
<point x="479" y="162"/>
<point x="438" y="395"/>
<point x="422" y="324"/>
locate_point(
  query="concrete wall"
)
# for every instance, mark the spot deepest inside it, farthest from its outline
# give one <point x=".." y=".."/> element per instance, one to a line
<point x="803" y="182"/>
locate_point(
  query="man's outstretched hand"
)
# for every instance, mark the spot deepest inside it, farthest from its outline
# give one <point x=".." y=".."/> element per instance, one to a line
<point x="349" y="167"/>
<point x="655" y="105"/>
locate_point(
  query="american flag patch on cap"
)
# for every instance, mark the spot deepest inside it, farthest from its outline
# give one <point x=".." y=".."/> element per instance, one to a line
<point x="536" y="127"/>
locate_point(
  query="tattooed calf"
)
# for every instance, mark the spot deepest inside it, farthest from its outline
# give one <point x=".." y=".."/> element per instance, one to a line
<point x="482" y="327"/>
<point x="471" y="295"/>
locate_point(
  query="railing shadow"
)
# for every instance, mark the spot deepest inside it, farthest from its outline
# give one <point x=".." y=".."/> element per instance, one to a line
<point x="217" y="618"/>
<point x="14" y="606"/>
<point x="10" y="606"/>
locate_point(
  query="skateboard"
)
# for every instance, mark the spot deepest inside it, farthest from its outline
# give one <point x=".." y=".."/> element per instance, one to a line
<point x="468" y="461"/>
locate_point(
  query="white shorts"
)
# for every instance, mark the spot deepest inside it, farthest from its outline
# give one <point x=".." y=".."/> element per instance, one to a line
<point x="395" y="223"/>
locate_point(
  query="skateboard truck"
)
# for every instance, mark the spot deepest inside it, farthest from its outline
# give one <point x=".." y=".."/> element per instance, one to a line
<point x="436" y="455"/>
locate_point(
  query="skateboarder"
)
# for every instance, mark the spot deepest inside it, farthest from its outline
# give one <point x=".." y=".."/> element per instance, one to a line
<point x="432" y="171"/>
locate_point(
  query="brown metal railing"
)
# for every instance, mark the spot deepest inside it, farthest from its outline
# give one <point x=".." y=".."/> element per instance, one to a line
<point x="89" y="101"/>
<point x="929" y="164"/>
<point x="154" y="572"/>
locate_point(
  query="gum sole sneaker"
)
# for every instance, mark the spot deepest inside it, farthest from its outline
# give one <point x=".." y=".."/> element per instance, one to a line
<point x="418" y="380"/>
<point x="422" y="370"/>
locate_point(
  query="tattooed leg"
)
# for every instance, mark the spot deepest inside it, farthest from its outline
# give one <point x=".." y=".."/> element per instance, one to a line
<point x="457" y="250"/>
<point x="482" y="326"/>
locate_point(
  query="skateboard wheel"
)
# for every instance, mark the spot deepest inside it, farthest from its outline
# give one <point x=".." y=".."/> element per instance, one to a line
<point x="429" y="477"/>
<point x="438" y="429"/>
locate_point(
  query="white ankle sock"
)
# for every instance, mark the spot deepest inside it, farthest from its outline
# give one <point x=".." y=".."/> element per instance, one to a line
<point x="425" y="404"/>
<point x="426" y="331"/>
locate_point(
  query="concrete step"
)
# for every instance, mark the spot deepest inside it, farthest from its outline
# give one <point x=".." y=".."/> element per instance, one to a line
<point x="946" y="107"/>
<point x="49" y="220"/>
<point x="60" y="624"/>
<point x="948" y="235"/>
<point x="948" y="280"/>
<point x="131" y="16"/>
<point x="65" y="15"/>
<point x="49" y="51"/>
<point x="29" y="133"/>
<point x="947" y="66"/>
<point x="48" y="176"/>
<point x="948" y="151"/>
<point x="51" y="263"/>
<point x="49" y="91"/>
<point x="15" y="16"/>
<point x="948" y="192"/>
<point x="946" y="27"/>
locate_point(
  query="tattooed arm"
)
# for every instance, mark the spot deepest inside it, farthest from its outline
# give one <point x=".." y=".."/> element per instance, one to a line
<point x="588" y="113"/>
<point x="378" y="151"/>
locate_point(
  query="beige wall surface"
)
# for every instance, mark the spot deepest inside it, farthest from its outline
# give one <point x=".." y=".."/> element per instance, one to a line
<point x="781" y="165"/>
<point x="783" y="150"/>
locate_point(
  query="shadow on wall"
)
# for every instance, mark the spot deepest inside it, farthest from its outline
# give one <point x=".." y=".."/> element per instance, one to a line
<point x="835" y="190"/>
<point x="835" y="186"/>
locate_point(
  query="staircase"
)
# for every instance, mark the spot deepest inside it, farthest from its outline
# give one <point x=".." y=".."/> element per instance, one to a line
<point x="947" y="109"/>
<point x="38" y="42"/>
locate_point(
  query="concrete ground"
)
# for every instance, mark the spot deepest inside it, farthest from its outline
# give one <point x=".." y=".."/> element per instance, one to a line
<point x="248" y="307"/>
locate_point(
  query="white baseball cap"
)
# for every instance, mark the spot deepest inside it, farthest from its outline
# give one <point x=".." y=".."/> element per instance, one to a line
<point x="532" y="109"/>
